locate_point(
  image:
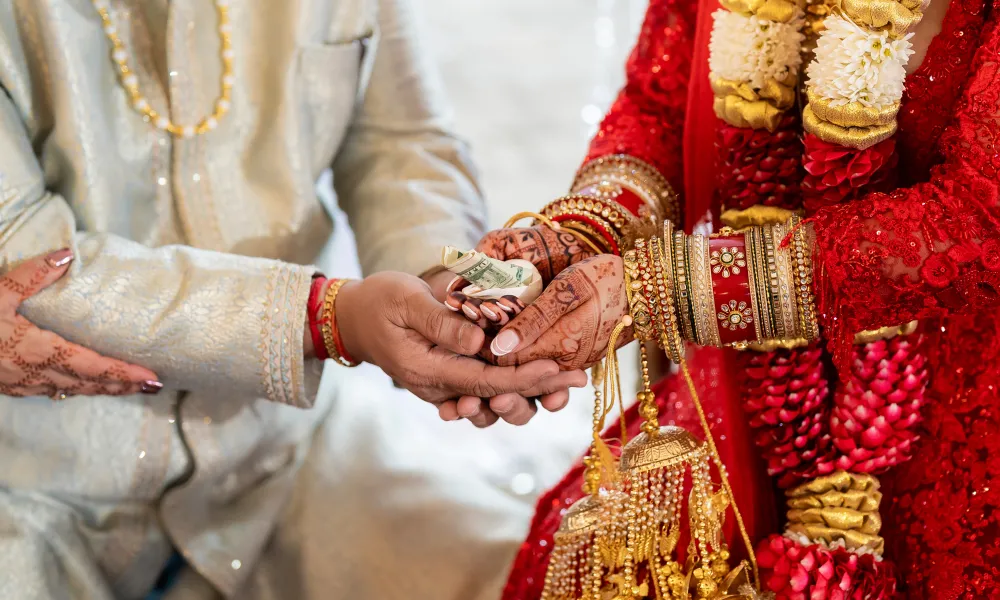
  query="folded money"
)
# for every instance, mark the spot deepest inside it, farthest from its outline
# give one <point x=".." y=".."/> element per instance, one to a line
<point x="490" y="279"/>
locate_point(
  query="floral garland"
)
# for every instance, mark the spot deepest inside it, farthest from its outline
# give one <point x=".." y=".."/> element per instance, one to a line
<point x="855" y="85"/>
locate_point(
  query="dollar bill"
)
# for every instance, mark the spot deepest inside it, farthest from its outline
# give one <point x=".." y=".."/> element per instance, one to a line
<point x="490" y="278"/>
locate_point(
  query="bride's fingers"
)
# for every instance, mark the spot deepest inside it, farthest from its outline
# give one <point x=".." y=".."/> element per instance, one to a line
<point x="491" y="312"/>
<point x="455" y="300"/>
<point x="566" y="292"/>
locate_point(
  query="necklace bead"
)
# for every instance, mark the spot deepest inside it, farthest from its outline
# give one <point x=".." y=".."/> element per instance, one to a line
<point x="130" y="82"/>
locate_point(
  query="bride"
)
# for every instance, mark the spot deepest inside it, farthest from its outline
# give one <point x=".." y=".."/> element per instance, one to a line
<point x="750" y="113"/>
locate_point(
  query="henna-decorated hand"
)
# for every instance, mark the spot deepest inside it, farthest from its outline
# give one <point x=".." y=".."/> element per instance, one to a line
<point x="35" y="362"/>
<point x="549" y="250"/>
<point x="571" y="322"/>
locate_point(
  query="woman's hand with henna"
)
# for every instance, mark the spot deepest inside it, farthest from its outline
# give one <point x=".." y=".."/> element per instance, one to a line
<point x="35" y="362"/>
<point x="571" y="322"/>
<point x="551" y="252"/>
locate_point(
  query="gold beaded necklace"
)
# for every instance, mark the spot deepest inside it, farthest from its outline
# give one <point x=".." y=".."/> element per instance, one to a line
<point x="130" y="82"/>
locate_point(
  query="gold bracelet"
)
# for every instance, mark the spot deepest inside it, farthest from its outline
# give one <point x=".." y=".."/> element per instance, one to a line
<point x="754" y="275"/>
<point x="328" y="324"/>
<point x="638" y="306"/>
<point x="606" y="216"/>
<point x="682" y="284"/>
<point x="787" y="315"/>
<point x="803" y="277"/>
<point x="670" y="336"/>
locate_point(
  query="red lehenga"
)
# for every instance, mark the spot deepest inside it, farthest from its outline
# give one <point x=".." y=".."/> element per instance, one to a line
<point x="926" y="248"/>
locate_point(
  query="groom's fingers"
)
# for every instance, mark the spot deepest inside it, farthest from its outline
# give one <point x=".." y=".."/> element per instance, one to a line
<point x="566" y="292"/>
<point x="513" y="408"/>
<point x="555" y="401"/>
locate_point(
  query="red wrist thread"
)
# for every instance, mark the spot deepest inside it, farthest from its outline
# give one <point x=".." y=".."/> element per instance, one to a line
<point x="314" y="308"/>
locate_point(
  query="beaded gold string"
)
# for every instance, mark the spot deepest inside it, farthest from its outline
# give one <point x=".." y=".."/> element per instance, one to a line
<point x="129" y="80"/>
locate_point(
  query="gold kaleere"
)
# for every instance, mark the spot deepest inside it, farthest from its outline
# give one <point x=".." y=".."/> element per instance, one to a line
<point x="588" y="543"/>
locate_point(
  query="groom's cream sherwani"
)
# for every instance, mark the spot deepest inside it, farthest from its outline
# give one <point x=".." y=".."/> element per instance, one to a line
<point x="192" y="257"/>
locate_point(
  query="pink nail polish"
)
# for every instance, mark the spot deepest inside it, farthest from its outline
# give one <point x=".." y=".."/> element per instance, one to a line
<point x="150" y="387"/>
<point x="60" y="258"/>
<point x="489" y="313"/>
<point x="470" y="313"/>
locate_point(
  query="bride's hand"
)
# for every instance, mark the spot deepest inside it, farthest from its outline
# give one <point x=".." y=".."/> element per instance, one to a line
<point x="35" y="362"/>
<point x="550" y="251"/>
<point x="571" y="322"/>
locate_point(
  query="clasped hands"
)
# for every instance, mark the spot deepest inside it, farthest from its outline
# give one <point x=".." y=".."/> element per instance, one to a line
<point x="570" y="323"/>
<point x="502" y="359"/>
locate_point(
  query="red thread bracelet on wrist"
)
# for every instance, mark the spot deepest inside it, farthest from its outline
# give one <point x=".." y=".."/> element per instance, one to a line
<point x="314" y="307"/>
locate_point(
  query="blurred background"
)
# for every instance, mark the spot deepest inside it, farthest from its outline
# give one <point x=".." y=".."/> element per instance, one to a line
<point x="529" y="82"/>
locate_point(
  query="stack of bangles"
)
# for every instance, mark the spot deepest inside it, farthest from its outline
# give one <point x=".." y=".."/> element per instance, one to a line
<point x="322" y="314"/>
<point x="728" y="289"/>
<point x="613" y="198"/>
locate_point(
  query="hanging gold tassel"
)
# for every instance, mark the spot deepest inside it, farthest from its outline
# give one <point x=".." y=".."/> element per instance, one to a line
<point x="585" y="547"/>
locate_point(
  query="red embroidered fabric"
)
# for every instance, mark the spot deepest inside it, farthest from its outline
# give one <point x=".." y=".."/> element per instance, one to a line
<point x="646" y="118"/>
<point x="930" y="251"/>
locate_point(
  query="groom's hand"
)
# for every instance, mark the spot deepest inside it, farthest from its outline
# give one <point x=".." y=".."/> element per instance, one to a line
<point x="393" y="321"/>
<point x="571" y="322"/>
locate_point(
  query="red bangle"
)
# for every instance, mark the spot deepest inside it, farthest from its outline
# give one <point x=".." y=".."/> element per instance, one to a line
<point x="600" y="229"/>
<point x="731" y="284"/>
<point x="314" y="307"/>
<point x="623" y="197"/>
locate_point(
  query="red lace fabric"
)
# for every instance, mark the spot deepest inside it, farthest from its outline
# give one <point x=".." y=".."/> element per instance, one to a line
<point x="930" y="251"/>
<point x="645" y="120"/>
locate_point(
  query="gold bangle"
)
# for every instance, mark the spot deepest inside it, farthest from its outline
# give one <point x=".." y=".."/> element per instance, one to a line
<point x="783" y="273"/>
<point x="706" y="324"/>
<point x="754" y="276"/>
<point x="663" y="258"/>
<point x="638" y="176"/>
<point x="328" y="324"/>
<point x="612" y="219"/>
<point x="551" y="225"/>
<point x="637" y="304"/>
<point x="803" y="276"/>
<point x="682" y="284"/>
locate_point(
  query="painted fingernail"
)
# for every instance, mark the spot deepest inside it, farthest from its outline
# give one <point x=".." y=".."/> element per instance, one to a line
<point x="489" y="313"/>
<point x="150" y="387"/>
<point x="469" y="312"/>
<point x="505" y="343"/>
<point x="505" y="307"/>
<point x="451" y="308"/>
<point x="60" y="258"/>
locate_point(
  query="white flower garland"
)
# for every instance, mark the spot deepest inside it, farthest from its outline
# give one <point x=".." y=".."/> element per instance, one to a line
<point x="753" y="50"/>
<point x="854" y="64"/>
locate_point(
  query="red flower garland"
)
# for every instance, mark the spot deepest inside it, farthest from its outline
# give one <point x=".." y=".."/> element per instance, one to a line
<point x="796" y="572"/>
<point x="836" y="174"/>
